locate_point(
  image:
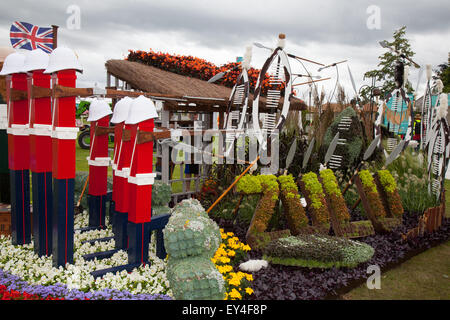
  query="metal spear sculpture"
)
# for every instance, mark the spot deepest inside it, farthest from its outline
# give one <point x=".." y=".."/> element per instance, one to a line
<point x="439" y="149"/>
<point x="280" y="74"/>
<point x="237" y="105"/>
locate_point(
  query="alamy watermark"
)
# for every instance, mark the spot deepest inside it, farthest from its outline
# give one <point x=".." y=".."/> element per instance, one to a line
<point x="226" y="147"/>
<point x="374" y="280"/>
<point x="373" y="21"/>
<point x="73" y="22"/>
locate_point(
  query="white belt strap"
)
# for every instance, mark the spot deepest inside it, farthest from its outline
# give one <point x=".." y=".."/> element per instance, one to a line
<point x="18" y="130"/>
<point x="99" y="161"/>
<point x="65" y="133"/>
<point x="142" y="179"/>
<point x="41" y="130"/>
<point x="124" y="173"/>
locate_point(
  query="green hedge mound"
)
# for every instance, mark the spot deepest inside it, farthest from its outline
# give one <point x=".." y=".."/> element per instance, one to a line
<point x="317" y="251"/>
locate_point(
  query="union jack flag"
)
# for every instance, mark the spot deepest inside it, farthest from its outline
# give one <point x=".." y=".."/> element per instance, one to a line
<point x="24" y="35"/>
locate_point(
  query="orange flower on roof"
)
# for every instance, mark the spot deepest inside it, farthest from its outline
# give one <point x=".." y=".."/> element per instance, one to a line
<point x="196" y="67"/>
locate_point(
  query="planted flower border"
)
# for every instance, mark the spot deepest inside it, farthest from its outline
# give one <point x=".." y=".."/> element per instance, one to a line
<point x="312" y="190"/>
<point x="338" y="211"/>
<point x="373" y="204"/>
<point x="387" y="187"/>
<point x="295" y="214"/>
<point x="267" y="186"/>
<point x="25" y="275"/>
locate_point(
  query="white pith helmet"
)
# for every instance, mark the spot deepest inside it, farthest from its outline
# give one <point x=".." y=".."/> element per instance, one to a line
<point x="13" y="64"/>
<point x="36" y="60"/>
<point x="98" y="109"/>
<point x="141" y="109"/>
<point x="63" y="58"/>
<point x="121" y="110"/>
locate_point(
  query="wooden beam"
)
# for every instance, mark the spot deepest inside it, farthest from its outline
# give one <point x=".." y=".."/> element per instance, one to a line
<point x="40" y="92"/>
<point x="126" y="135"/>
<point x="62" y="92"/>
<point x="100" y="131"/>
<point x="16" y="95"/>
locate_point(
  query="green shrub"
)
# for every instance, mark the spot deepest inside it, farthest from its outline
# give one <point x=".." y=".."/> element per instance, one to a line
<point x="319" y="209"/>
<point x="249" y="184"/>
<point x="317" y="251"/>
<point x="191" y="239"/>
<point x="354" y="141"/>
<point x="293" y="209"/>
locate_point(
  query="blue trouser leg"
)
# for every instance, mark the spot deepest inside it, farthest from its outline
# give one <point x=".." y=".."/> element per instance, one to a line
<point x="42" y="212"/>
<point x="20" y="207"/>
<point x="63" y="224"/>
<point x="112" y="208"/>
<point x="120" y="221"/>
<point x="97" y="210"/>
<point x="138" y="235"/>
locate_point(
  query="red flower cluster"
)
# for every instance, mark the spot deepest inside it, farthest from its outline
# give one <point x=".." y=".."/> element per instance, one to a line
<point x="197" y="68"/>
<point x="16" y="295"/>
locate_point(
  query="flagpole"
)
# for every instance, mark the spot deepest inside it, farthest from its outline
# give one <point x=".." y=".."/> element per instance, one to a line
<point x="55" y="36"/>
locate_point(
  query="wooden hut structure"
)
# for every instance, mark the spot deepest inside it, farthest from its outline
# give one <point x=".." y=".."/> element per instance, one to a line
<point x="180" y="98"/>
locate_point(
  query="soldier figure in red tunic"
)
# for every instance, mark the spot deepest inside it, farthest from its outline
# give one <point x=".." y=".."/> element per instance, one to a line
<point x="98" y="160"/>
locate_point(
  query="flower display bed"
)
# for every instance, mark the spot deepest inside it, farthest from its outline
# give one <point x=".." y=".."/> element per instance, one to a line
<point x="24" y="271"/>
<point x="278" y="282"/>
<point x="26" y="276"/>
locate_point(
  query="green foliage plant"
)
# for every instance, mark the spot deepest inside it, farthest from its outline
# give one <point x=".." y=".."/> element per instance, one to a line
<point x="293" y="209"/>
<point x="264" y="210"/>
<point x="394" y="202"/>
<point x="314" y="192"/>
<point x="317" y="251"/>
<point x="371" y="192"/>
<point x="191" y="239"/>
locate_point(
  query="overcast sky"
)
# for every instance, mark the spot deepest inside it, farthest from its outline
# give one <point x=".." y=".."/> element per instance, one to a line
<point x="218" y="31"/>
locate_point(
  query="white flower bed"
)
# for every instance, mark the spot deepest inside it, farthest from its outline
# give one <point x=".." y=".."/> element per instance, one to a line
<point x="23" y="262"/>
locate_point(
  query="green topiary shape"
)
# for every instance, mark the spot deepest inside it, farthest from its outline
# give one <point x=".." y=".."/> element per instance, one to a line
<point x="195" y="278"/>
<point x="191" y="239"/>
<point x="317" y="251"/>
<point x="190" y="232"/>
<point x="161" y="194"/>
<point x="353" y="136"/>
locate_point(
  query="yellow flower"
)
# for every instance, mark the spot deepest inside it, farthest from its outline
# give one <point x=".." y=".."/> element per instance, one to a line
<point x="246" y="247"/>
<point x="224" y="269"/>
<point x="249" y="277"/>
<point x="235" y="294"/>
<point x="249" y="290"/>
<point x="234" y="282"/>
<point x="225" y="260"/>
<point x="230" y="234"/>
<point x="231" y="253"/>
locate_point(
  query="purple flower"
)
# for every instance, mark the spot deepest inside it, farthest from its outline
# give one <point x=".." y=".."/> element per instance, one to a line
<point x="13" y="282"/>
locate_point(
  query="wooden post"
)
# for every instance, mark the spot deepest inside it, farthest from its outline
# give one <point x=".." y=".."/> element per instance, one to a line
<point x="108" y="79"/>
<point x="55" y="36"/>
<point x="165" y="156"/>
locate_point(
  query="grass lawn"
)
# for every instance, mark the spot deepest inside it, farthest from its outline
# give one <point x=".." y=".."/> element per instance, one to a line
<point x="423" y="277"/>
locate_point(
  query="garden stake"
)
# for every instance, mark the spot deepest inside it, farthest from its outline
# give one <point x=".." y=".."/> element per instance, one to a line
<point x="232" y="185"/>
<point x="82" y="192"/>
<point x="356" y="204"/>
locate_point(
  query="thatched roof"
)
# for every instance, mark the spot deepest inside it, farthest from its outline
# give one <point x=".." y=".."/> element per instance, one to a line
<point x="151" y="79"/>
